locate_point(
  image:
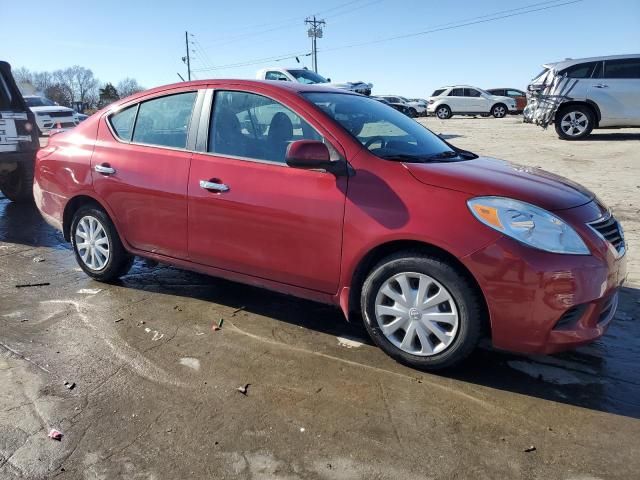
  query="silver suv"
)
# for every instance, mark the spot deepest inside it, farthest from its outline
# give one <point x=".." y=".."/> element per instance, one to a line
<point x="580" y="95"/>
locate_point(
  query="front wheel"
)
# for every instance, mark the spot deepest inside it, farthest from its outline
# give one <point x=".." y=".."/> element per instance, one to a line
<point x="443" y="112"/>
<point x="422" y="311"/>
<point x="97" y="246"/>
<point x="574" y="122"/>
<point x="499" y="110"/>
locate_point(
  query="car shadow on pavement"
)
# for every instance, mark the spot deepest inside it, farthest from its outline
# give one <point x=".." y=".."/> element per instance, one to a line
<point x="602" y="376"/>
<point x="599" y="136"/>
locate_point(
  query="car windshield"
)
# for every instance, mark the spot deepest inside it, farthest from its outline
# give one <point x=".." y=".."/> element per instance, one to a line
<point x="39" y="102"/>
<point x="307" y="76"/>
<point x="384" y="131"/>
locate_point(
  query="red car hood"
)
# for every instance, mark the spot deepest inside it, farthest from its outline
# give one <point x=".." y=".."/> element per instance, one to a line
<point x="490" y="176"/>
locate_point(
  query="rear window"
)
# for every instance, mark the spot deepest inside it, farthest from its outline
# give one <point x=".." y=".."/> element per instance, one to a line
<point x="582" y="70"/>
<point x="5" y="93"/>
<point x="438" y="92"/>
<point x="625" y="68"/>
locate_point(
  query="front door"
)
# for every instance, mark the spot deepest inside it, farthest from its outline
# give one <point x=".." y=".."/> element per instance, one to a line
<point x="140" y="168"/>
<point x="249" y="212"/>
<point x="617" y="93"/>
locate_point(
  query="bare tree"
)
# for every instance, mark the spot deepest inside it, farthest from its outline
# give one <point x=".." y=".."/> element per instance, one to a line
<point x="22" y="75"/>
<point x="128" y="86"/>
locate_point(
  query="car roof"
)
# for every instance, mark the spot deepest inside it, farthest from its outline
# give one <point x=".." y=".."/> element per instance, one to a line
<point x="561" y="65"/>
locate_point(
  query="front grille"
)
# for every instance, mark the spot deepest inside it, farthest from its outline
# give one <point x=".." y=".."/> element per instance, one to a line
<point x="609" y="229"/>
<point x="59" y="114"/>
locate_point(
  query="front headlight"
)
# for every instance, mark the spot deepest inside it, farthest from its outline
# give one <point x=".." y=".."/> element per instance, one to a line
<point x="528" y="224"/>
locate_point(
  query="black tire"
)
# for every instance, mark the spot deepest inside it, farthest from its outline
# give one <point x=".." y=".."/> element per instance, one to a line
<point x="18" y="185"/>
<point x="499" y="110"/>
<point x="581" y="114"/>
<point x="119" y="261"/>
<point x="468" y="303"/>
<point x="413" y="113"/>
<point x="443" y="112"/>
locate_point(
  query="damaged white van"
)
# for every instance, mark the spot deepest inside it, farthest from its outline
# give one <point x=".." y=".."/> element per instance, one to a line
<point x="580" y="95"/>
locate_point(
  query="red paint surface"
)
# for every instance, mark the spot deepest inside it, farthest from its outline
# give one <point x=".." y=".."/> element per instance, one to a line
<point x="304" y="232"/>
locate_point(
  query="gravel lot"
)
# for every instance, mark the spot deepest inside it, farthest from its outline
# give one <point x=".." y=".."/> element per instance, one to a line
<point x="156" y="397"/>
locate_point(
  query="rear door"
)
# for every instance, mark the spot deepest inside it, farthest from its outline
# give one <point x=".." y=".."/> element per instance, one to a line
<point x="141" y="168"/>
<point x="617" y="93"/>
<point x="256" y="215"/>
<point x="456" y="100"/>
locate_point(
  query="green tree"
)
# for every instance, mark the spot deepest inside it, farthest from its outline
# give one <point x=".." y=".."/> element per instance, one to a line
<point x="107" y="94"/>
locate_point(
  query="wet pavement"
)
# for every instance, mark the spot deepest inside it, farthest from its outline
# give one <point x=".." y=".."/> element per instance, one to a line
<point x="156" y="396"/>
<point x="155" y="387"/>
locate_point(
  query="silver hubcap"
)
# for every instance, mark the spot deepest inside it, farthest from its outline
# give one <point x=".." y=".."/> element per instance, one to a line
<point x="92" y="243"/>
<point x="417" y="314"/>
<point x="499" y="112"/>
<point x="442" y="113"/>
<point x="574" y="123"/>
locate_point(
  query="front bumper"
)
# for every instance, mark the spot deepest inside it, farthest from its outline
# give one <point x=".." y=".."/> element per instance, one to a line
<point x="545" y="303"/>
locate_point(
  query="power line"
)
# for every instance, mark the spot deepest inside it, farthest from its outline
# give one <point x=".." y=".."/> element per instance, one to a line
<point x="499" y="15"/>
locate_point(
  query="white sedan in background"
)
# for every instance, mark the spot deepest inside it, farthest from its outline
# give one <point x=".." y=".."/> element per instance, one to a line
<point x="467" y="100"/>
<point x="51" y="116"/>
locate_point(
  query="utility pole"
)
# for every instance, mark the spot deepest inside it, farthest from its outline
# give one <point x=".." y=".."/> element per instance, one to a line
<point x="187" y="59"/>
<point x="314" y="32"/>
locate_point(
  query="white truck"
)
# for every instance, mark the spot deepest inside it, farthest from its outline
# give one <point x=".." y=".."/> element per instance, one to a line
<point x="304" y="75"/>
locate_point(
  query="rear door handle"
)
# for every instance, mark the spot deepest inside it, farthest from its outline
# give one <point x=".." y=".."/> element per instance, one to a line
<point x="104" y="169"/>
<point x="218" y="187"/>
<point x="601" y="85"/>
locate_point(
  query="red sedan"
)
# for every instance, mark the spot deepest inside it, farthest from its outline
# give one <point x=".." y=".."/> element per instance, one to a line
<point x="335" y="197"/>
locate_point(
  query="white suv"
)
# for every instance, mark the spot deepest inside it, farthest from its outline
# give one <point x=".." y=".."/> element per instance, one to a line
<point x="580" y="95"/>
<point x="49" y="115"/>
<point x="466" y="100"/>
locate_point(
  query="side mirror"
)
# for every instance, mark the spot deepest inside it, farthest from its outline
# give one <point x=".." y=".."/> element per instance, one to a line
<point x="311" y="155"/>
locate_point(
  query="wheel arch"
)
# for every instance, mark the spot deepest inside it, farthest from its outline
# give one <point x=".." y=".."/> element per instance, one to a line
<point x="72" y="207"/>
<point x="376" y="254"/>
<point x="587" y="103"/>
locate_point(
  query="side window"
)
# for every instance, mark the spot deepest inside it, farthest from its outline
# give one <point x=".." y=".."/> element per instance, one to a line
<point x="515" y="93"/>
<point x="582" y="70"/>
<point x="626" y="68"/>
<point x="457" y="92"/>
<point x="164" y="121"/>
<point x="276" y="76"/>
<point x="252" y="126"/>
<point x="122" y="123"/>
<point x="471" y="92"/>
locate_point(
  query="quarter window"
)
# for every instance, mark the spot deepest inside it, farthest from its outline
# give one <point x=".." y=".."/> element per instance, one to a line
<point x="164" y="121"/>
<point x="122" y="123"/>
<point x="252" y="126"/>
<point x="626" y="68"/>
<point x="276" y="76"/>
<point x="582" y="70"/>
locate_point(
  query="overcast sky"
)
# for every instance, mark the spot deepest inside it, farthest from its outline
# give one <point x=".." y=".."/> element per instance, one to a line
<point x="145" y="40"/>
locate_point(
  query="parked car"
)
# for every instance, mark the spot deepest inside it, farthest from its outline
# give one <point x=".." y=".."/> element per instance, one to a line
<point x="18" y="140"/>
<point x="415" y="109"/>
<point x="50" y="116"/>
<point x="465" y="100"/>
<point x="80" y="117"/>
<point x="401" y="107"/>
<point x="580" y="95"/>
<point x="306" y="76"/>
<point x="335" y="197"/>
<point x="518" y="95"/>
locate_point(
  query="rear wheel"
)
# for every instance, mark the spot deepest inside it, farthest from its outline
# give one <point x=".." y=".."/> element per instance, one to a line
<point x="443" y="112"/>
<point x="18" y="185"/>
<point x="422" y="311"/>
<point x="97" y="246"/>
<point x="574" y="122"/>
<point x="413" y="113"/>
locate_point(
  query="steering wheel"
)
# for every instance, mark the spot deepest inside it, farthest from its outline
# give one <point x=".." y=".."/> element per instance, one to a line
<point x="375" y="139"/>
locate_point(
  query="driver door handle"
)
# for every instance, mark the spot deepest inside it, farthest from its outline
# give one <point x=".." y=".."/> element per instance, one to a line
<point x="104" y="169"/>
<point x="218" y="187"/>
